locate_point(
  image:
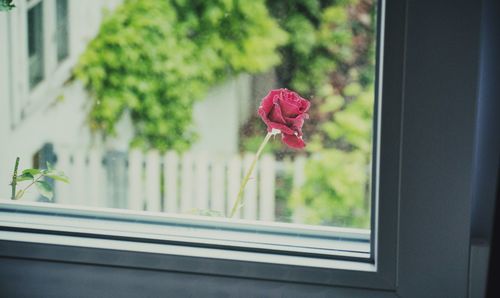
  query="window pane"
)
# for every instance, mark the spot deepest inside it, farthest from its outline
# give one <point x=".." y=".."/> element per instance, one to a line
<point x="62" y="29"/>
<point x="160" y="113"/>
<point x="35" y="44"/>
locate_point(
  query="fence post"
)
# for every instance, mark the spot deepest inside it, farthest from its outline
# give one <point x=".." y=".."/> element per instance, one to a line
<point x="267" y="187"/>
<point x="170" y="170"/>
<point x="97" y="184"/>
<point x="233" y="182"/>
<point x="152" y="181"/>
<point x="116" y="188"/>
<point x="217" y="194"/>
<point x="135" y="189"/>
<point x="250" y="194"/>
<point x="201" y="182"/>
<point x="187" y="183"/>
<point x="79" y="178"/>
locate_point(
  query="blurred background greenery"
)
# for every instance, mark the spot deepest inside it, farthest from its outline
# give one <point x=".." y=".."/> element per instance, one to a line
<point x="329" y="58"/>
<point x="156" y="58"/>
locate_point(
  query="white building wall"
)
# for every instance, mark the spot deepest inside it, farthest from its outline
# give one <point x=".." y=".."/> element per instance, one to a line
<point x="217" y="118"/>
<point x="54" y="112"/>
<point x="50" y="112"/>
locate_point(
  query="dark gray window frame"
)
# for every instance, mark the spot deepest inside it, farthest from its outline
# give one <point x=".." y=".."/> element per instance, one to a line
<point x="378" y="274"/>
<point x="426" y="160"/>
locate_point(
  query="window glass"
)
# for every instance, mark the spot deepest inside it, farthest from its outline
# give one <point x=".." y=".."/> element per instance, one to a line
<point x="62" y="29"/>
<point x="35" y="44"/>
<point x="160" y="111"/>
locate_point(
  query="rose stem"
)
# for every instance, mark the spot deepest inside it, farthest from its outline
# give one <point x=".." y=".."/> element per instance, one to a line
<point x="239" y="198"/>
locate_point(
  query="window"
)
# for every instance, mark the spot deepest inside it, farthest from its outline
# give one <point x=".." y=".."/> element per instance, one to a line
<point x="166" y="148"/>
<point x="139" y="127"/>
<point x="62" y="29"/>
<point x="141" y="85"/>
<point x="35" y="44"/>
<point x="40" y="57"/>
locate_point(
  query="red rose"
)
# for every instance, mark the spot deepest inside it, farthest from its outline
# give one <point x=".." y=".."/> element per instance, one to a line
<point x="285" y="110"/>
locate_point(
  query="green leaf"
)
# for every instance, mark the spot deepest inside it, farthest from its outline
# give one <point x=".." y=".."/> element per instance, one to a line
<point x="45" y="189"/>
<point x="25" y="176"/>
<point x="57" y="175"/>
<point x="49" y="166"/>
<point x="33" y="172"/>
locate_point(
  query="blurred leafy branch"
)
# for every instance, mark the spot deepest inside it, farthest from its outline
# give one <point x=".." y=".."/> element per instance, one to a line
<point x="6" y="5"/>
<point x="337" y="69"/>
<point x="154" y="59"/>
<point x="337" y="189"/>
<point x="36" y="178"/>
<point x="330" y="58"/>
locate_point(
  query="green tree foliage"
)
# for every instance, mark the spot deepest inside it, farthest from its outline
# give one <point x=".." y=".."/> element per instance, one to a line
<point x="6" y="5"/>
<point x="336" y="190"/>
<point x="327" y="37"/>
<point x="330" y="59"/>
<point x="155" y="58"/>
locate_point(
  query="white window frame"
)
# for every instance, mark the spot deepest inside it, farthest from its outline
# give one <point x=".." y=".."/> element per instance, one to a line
<point x="422" y="209"/>
<point x="25" y="100"/>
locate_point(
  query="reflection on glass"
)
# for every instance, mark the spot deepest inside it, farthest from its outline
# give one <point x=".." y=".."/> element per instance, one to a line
<point x="35" y="44"/>
<point x="62" y="29"/>
<point x="160" y="112"/>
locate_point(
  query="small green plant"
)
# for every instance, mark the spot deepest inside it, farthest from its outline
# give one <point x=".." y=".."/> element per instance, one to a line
<point x="36" y="177"/>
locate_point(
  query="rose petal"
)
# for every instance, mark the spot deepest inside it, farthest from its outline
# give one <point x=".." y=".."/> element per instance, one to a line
<point x="276" y="115"/>
<point x="293" y="104"/>
<point x="289" y="104"/>
<point x="271" y="124"/>
<point x="297" y="123"/>
<point x="268" y="100"/>
<point x="304" y="105"/>
<point x="283" y="128"/>
<point x="293" y="141"/>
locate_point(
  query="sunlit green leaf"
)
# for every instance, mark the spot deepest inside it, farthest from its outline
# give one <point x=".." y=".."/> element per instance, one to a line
<point x="25" y="176"/>
<point x="32" y="172"/>
<point x="57" y="175"/>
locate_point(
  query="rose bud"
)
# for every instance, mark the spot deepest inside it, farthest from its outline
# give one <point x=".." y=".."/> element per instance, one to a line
<point x="285" y="110"/>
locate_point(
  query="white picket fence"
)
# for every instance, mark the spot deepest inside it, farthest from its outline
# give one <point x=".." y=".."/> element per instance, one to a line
<point x="170" y="182"/>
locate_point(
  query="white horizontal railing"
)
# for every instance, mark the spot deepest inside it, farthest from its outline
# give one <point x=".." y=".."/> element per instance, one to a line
<point x="171" y="182"/>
